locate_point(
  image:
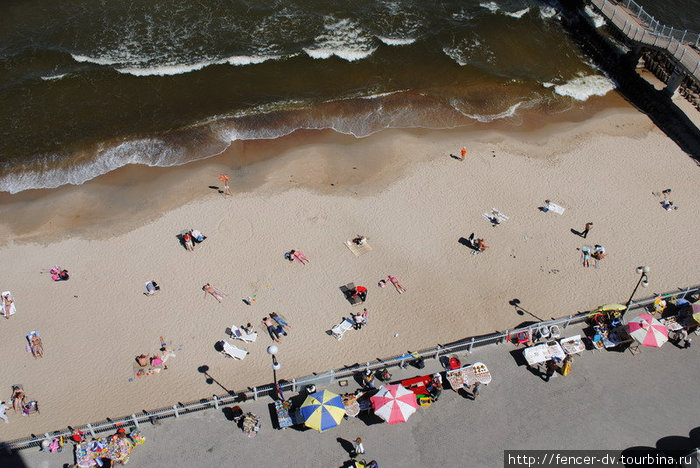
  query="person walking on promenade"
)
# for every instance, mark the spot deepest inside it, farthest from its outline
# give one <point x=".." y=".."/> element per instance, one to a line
<point x="586" y="229"/>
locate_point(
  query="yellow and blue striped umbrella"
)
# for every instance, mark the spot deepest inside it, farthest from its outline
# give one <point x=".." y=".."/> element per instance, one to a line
<point x="322" y="410"/>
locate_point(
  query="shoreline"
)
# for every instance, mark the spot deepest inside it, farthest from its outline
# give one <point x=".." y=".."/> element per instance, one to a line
<point x="120" y="199"/>
<point x="414" y="203"/>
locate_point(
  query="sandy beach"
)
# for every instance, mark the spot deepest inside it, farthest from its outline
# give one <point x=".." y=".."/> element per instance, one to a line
<point x="400" y="188"/>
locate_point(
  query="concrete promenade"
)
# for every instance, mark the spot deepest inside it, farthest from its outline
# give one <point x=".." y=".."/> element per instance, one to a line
<point x="611" y="400"/>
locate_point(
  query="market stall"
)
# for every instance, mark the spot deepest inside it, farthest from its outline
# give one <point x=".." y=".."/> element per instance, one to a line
<point x="572" y="344"/>
<point x="116" y="448"/>
<point x="543" y="352"/>
<point x="285" y="413"/>
<point x="468" y="376"/>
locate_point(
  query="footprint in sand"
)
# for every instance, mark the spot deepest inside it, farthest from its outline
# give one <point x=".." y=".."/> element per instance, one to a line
<point x="242" y="228"/>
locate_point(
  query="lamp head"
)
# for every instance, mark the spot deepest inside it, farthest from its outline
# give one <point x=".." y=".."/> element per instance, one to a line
<point x="272" y="349"/>
<point x="276" y="366"/>
<point x="645" y="283"/>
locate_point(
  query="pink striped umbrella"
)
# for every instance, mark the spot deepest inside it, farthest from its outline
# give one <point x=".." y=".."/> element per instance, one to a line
<point x="394" y="403"/>
<point x="648" y="331"/>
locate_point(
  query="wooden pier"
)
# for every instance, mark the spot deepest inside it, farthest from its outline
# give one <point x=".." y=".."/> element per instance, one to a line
<point x="643" y="31"/>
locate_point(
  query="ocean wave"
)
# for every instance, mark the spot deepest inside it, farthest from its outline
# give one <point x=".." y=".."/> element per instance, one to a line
<point x="547" y="11"/>
<point x="486" y="118"/>
<point x="396" y="41"/>
<point x="343" y="38"/>
<point x="104" y="60"/>
<point x="54" y="77"/>
<point x="150" y="152"/>
<point x="582" y="88"/>
<point x="517" y="14"/>
<point x="597" y="19"/>
<point x="491" y="6"/>
<point x="469" y="51"/>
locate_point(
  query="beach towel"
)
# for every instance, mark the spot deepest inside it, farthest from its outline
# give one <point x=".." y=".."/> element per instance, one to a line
<point x="12" y="306"/>
<point x="233" y="351"/>
<point x="358" y="249"/>
<point x="553" y="207"/>
<point x="495" y="216"/>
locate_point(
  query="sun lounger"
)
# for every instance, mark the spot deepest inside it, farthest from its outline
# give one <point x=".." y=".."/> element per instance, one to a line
<point x="341" y="328"/>
<point x="554" y="208"/>
<point x="12" y="306"/>
<point x="242" y="335"/>
<point x="358" y="249"/>
<point x="233" y="351"/>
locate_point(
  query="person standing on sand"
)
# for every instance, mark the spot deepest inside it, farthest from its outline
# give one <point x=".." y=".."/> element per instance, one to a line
<point x="227" y="190"/>
<point x="464" y="153"/>
<point x="586" y="229"/>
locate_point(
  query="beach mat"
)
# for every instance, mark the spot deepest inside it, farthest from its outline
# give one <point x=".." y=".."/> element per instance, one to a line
<point x="358" y="249"/>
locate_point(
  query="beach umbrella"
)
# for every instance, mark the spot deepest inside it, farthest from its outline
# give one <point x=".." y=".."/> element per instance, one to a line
<point x="394" y="403"/>
<point x="695" y="311"/>
<point x="322" y="410"/>
<point x="648" y="331"/>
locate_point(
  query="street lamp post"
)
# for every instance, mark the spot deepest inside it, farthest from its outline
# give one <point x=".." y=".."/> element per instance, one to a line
<point x="643" y="280"/>
<point x="272" y="351"/>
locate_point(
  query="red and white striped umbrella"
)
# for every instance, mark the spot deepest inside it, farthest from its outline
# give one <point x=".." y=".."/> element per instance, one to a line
<point x="648" y="331"/>
<point x="394" y="403"/>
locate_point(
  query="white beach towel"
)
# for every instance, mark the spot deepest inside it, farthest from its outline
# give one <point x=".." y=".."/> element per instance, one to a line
<point x="495" y="216"/>
<point x="12" y="307"/>
<point x="553" y="207"/>
<point x="358" y="249"/>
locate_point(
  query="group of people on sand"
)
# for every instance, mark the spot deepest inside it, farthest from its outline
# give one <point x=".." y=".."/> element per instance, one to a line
<point x="598" y="253"/>
<point x="17" y="400"/>
<point x="156" y="360"/>
<point x="276" y="326"/>
<point x="190" y="237"/>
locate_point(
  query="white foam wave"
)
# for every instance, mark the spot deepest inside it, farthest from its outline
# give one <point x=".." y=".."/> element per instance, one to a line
<point x="597" y="19"/>
<point x="396" y="41"/>
<point x="510" y="112"/>
<point x="151" y="152"/>
<point x="97" y="60"/>
<point x="456" y="54"/>
<point x="53" y="77"/>
<point x="469" y="51"/>
<point x="491" y="6"/>
<point x="166" y="70"/>
<point x="517" y="14"/>
<point x="547" y="12"/>
<point x="240" y="60"/>
<point x="344" y="39"/>
<point x="586" y="86"/>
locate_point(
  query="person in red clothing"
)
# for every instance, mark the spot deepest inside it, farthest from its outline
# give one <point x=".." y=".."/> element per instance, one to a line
<point x="361" y="292"/>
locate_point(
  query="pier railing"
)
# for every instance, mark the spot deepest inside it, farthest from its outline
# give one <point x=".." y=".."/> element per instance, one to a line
<point x="638" y="25"/>
<point x="216" y="401"/>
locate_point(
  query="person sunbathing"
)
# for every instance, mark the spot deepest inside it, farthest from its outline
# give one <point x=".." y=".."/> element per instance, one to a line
<point x="360" y="240"/>
<point x="7" y="300"/>
<point x="152" y="287"/>
<point x="143" y="360"/>
<point x="198" y="236"/>
<point x="187" y="239"/>
<point x="273" y="330"/>
<point x="481" y="245"/>
<point x="280" y="320"/>
<point x="395" y="281"/>
<point x="218" y="295"/>
<point x="17" y="399"/>
<point x="37" y="347"/>
<point x="299" y="256"/>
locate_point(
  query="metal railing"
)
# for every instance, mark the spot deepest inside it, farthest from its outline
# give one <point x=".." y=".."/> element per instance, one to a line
<point x="179" y="409"/>
<point x="631" y="19"/>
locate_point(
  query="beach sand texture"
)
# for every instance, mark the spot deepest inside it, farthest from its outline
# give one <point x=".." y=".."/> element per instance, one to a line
<point x="603" y="170"/>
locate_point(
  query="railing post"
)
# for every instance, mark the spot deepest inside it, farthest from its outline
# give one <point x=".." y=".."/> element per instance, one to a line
<point x="684" y="33"/>
<point x="92" y="432"/>
<point x="680" y="59"/>
<point x="643" y="33"/>
<point x="216" y="402"/>
<point x="613" y="15"/>
<point x="568" y="321"/>
<point x="177" y="414"/>
<point x="294" y="385"/>
<point x="437" y="352"/>
<point x="625" y="25"/>
<point x="136" y="421"/>
<point x="471" y="345"/>
<point x="402" y="364"/>
<point x="505" y="336"/>
<point x="656" y="38"/>
<point x="255" y="393"/>
<point x="696" y="67"/>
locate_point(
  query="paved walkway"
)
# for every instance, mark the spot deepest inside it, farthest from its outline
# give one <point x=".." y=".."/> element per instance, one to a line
<point x="611" y="400"/>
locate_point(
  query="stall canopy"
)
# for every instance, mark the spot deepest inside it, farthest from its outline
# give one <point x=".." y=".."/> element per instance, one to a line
<point x="648" y="331"/>
<point x="394" y="403"/>
<point x="610" y="308"/>
<point x="322" y="410"/>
